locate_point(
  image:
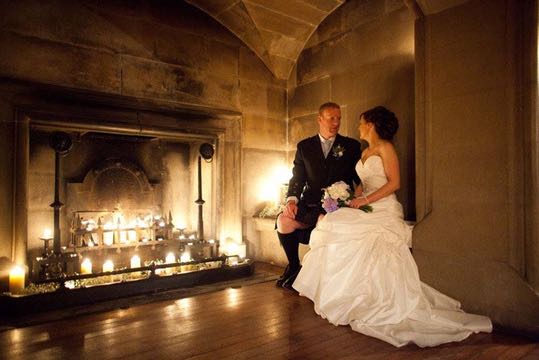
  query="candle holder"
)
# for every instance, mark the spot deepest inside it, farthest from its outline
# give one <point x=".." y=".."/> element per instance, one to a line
<point x="46" y="244"/>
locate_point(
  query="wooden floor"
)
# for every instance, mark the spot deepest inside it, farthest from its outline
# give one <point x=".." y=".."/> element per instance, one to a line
<point x="252" y="322"/>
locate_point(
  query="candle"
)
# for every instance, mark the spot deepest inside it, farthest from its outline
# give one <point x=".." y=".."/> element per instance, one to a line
<point x="233" y="248"/>
<point x="46" y="234"/>
<point x="108" y="266"/>
<point x="16" y="280"/>
<point x="108" y="238"/>
<point x="123" y="237"/>
<point x="242" y="251"/>
<point x="86" y="267"/>
<point x="132" y="235"/>
<point x="170" y="259"/>
<point x="135" y="262"/>
<point x="186" y="257"/>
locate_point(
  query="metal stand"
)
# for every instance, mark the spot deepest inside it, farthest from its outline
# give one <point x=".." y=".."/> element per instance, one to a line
<point x="206" y="151"/>
<point x="61" y="143"/>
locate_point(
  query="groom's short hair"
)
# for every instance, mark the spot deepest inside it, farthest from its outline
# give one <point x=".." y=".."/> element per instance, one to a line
<point x="328" y="105"/>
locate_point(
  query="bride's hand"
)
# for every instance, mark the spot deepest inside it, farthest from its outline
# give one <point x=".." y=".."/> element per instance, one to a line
<point x="357" y="202"/>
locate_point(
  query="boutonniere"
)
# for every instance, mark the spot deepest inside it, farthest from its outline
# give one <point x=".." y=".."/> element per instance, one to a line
<point x="338" y="151"/>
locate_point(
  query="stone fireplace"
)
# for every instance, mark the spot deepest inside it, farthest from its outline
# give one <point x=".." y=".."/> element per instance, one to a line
<point x="129" y="183"/>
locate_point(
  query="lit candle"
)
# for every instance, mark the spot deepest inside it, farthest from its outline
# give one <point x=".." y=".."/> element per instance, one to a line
<point x="108" y="266"/>
<point x="233" y="248"/>
<point x="186" y="257"/>
<point x="242" y="251"/>
<point x="16" y="280"/>
<point x="108" y="238"/>
<point x="86" y="267"/>
<point x="132" y="235"/>
<point x="170" y="259"/>
<point x="123" y="237"/>
<point x="46" y="234"/>
<point x="135" y="262"/>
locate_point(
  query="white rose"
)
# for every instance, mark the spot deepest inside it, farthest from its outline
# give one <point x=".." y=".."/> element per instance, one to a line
<point x="339" y="190"/>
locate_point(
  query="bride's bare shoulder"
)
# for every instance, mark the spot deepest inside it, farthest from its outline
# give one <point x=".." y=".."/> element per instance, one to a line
<point x="387" y="149"/>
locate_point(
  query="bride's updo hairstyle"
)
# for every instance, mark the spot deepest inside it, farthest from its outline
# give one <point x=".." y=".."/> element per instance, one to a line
<point x="385" y="121"/>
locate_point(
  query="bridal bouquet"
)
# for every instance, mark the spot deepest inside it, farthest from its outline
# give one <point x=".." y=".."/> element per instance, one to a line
<point x="339" y="195"/>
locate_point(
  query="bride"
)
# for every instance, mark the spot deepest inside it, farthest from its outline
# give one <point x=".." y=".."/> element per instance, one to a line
<point x="359" y="270"/>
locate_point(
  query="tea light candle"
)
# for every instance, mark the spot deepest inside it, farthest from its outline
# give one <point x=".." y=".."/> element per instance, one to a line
<point x="135" y="262"/>
<point x="108" y="266"/>
<point x="86" y="267"/>
<point x="16" y="280"/>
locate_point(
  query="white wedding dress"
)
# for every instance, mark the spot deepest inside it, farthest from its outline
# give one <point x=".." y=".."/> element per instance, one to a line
<point x="360" y="272"/>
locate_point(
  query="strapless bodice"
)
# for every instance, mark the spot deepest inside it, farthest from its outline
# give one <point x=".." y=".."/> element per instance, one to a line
<point x="372" y="174"/>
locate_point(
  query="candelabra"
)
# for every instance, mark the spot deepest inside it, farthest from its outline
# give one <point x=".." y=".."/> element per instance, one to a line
<point x="55" y="264"/>
<point x="206" y="152"/>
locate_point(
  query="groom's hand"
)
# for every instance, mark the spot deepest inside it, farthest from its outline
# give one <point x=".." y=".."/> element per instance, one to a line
<point x="291" y="209"/>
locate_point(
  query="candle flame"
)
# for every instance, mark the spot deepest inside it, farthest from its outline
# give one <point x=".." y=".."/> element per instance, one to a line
<point x="17" y="270"/>
<point x="170" y="259"/>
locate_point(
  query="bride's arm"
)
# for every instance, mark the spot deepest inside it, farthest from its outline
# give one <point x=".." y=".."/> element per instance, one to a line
<point x="391" y="168"/>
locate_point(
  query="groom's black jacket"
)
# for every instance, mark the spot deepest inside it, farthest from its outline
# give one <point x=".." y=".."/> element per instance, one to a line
<point x="312" y="172"/>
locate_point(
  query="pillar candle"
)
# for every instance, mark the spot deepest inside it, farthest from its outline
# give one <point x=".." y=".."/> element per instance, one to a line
<point x="135" y="262"/>
<point x="170" y="259"/>
<point x="132" y="235"/>
<point x="16" y="280"/>
<point x="186" y="257"/>
<point x="108" y="266"/>
<point x="86" y="267"/>
<point x="123" y="237"/>
<point x="108" y="238"/>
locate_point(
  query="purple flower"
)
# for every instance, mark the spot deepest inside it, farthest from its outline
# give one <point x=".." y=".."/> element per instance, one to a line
<point x="330" y="205"/>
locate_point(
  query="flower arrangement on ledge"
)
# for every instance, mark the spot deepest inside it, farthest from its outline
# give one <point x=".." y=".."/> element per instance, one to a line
<point x="270" y="211"/>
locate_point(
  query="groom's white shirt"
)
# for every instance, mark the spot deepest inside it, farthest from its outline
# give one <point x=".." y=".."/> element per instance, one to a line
<point x="326" y="147"/>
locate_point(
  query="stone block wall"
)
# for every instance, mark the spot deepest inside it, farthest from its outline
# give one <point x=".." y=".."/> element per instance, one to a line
<point x="361" y="56"/>
<point x="475" y="162"/>
<point x="168" y="52"/>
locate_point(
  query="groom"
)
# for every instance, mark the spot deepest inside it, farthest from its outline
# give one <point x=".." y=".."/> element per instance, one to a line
<point x="320" y="161"/>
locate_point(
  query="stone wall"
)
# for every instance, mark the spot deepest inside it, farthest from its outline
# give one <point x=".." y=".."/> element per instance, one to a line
<point x="168" y="52"/>
<point x="473" y="80"/>
<point x="361" y="56"/>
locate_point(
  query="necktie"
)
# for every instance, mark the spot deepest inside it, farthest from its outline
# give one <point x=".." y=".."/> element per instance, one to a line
<point x="326" y="146"/>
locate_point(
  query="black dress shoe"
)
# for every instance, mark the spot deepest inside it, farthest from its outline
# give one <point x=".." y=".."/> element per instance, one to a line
<point x="287" y="284"/>
<point x="284" y="276"/>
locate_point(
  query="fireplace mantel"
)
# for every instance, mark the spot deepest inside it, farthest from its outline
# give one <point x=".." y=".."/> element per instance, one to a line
<point x="53" y="108"/>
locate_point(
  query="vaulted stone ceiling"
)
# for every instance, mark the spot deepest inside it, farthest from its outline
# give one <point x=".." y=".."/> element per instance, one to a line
<point x="276" y="30"/>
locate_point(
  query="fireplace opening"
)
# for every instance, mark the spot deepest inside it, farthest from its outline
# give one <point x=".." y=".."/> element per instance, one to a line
<point x="127" y="199"/>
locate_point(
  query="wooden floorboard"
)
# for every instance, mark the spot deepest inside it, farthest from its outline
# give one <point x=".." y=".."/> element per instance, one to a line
<point x="251" y="322"/>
